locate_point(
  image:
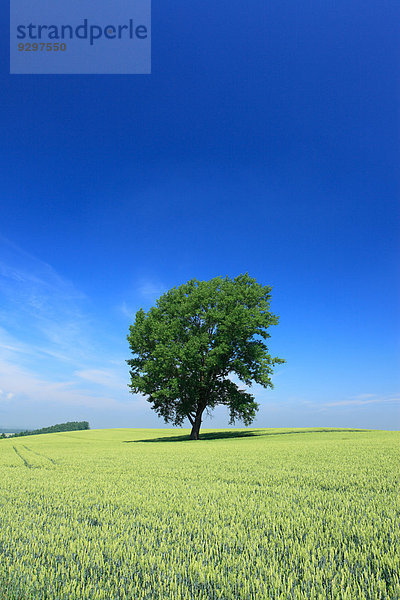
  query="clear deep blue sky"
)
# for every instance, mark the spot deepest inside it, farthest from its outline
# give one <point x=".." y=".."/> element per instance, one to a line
<point x="265" y="140"/>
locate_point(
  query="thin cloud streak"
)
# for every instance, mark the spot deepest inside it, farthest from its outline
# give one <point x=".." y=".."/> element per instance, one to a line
<point x="363" y="400"/>
<point x="151" y="290"/>
<point x="105" y="377"/>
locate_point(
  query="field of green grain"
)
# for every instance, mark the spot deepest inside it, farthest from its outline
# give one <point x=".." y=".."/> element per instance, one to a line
<point x="134" y="514"/>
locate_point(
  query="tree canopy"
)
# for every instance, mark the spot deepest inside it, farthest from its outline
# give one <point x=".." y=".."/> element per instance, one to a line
<point x="189" y="347"/>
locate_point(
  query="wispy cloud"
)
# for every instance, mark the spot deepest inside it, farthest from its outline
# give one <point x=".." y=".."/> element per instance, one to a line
<point x="364" y="399"/>
<point x="30" y="387"/>
<point x="145" y="293"/>
<point x="49" y="347"/>
<point x="39" y="307"/>
<point x="6" y="396"/>
<point x="358" y="401"/>
<point x="127" y="311"/>
<point x="151" y="290"/>
<point x="108" y="378"/>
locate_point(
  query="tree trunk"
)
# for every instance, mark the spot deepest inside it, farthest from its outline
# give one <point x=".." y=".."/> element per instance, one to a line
<point x="194" y="435"/>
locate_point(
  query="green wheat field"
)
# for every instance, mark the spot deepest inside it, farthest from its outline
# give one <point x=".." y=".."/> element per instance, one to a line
<point x="241" y="514"/>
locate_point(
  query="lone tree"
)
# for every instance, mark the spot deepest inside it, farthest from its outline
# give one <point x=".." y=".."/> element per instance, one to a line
<point x="187" y="348"/>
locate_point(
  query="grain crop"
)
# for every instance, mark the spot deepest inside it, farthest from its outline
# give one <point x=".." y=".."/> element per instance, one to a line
<point x="123" y="514"/>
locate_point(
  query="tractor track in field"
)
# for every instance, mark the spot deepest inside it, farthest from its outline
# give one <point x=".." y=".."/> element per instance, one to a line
<point x="40" y="454"/>
<point x="28" y="465"/>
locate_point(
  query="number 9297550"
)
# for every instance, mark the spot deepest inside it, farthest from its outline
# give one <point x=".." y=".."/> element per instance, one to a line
<point x="42" y="47"/>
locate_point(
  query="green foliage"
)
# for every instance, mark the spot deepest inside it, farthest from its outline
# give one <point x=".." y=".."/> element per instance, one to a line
<point x="198" y="335"/>
<point x="276" y="515"/>
<point x="69" y="426"/>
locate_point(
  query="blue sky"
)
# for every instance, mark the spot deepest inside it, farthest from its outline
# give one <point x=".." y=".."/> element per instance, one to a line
<point x="265" y="140"/>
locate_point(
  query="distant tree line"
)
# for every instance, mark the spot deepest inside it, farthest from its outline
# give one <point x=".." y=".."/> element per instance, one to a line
<point x="70" y="426"/>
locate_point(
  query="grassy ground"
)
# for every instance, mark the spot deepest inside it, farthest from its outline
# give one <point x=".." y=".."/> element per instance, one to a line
<point x="243" y="514"/>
